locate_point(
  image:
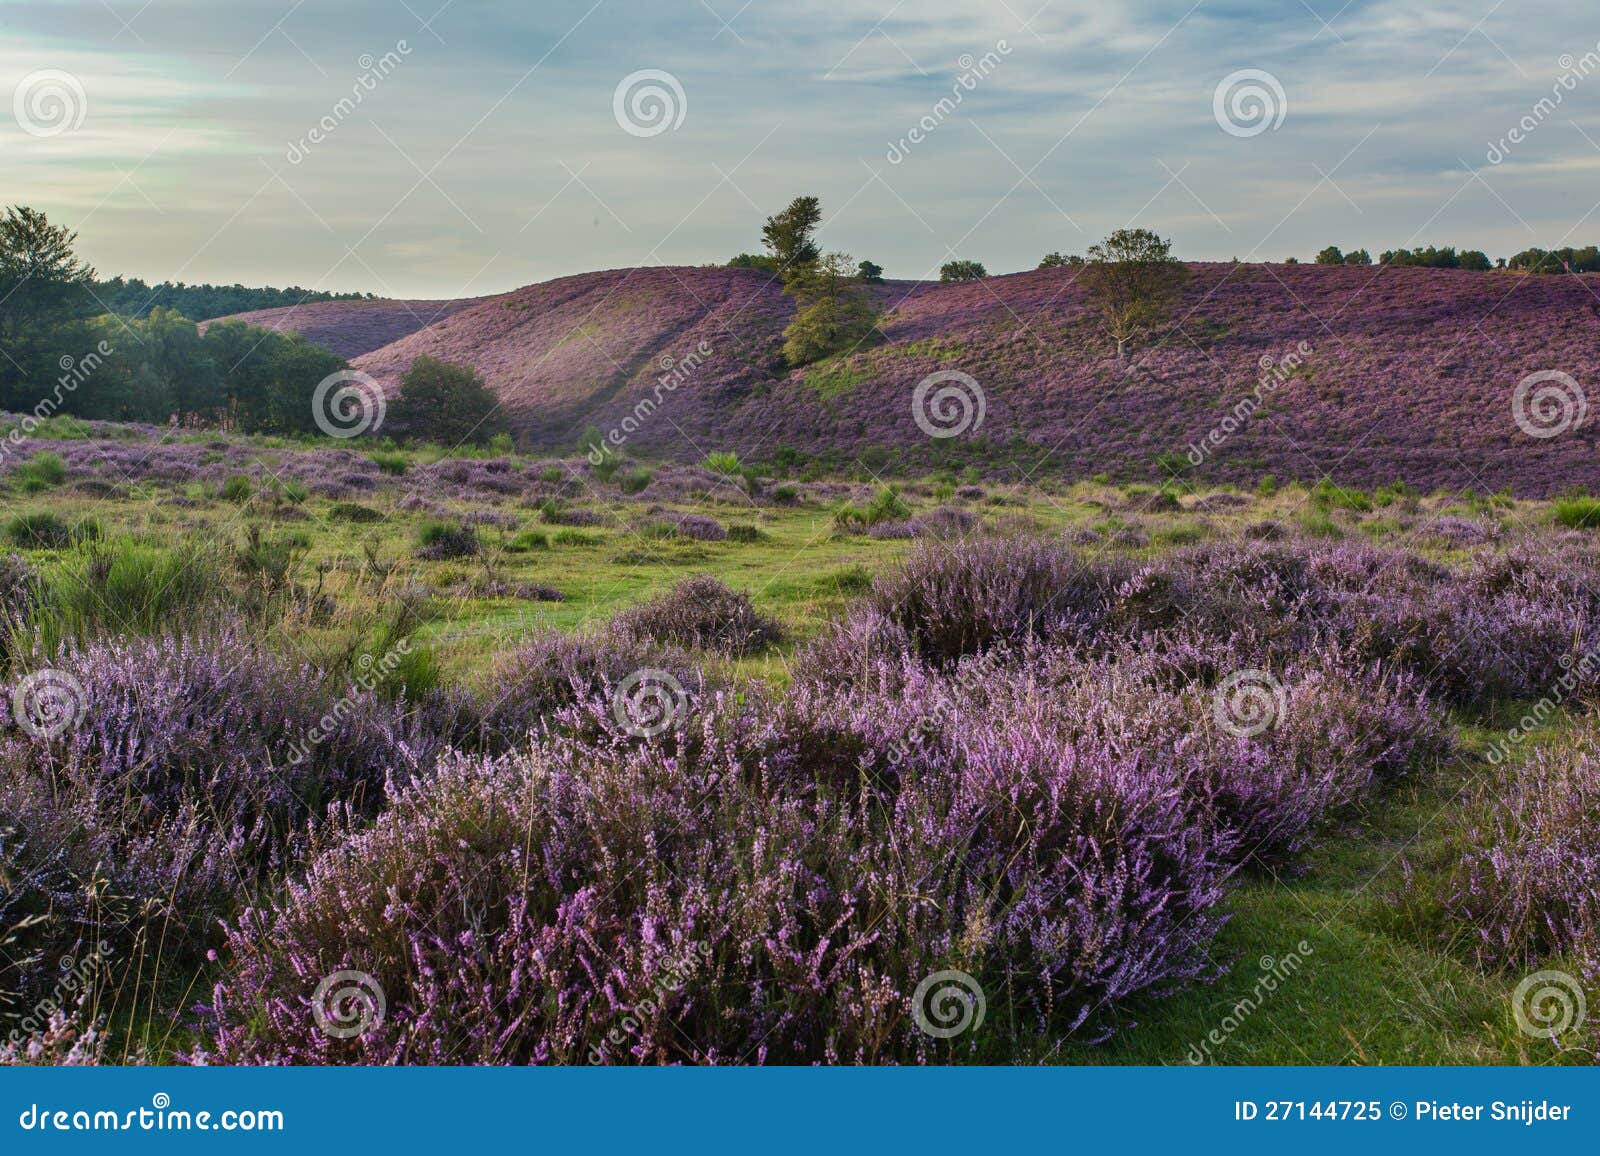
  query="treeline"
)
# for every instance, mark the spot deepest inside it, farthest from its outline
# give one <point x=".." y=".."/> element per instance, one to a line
<point x="61" y="354"/>
<point x="133" y="297"/>
<point x="1535" y="260"/>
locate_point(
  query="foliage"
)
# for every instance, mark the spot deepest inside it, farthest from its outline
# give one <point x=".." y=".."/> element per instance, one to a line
<point x="962" y="271"/>
<point x="1133" y="280"/>
<point x="446" y="404"/>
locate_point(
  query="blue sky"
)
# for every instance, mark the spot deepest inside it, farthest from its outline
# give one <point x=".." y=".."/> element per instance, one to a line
<point x="489" y="153"/>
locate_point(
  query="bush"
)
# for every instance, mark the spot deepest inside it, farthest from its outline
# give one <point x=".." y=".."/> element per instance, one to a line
<point x="1578" y="512"/>
<point x="701" y="612"/>
<point x="43" y="471"/>
<point x="235" y="489"/>
<point x="743" y="532"/>
<point x="354" y="512"/>
<point x="962" y="271"/>
<point x="440" y="540"/>
<point x="390" y="462"/>
<point x="528" y="541"/>
<point x="39" y="530"/>
<point x="446" y="404"/>
<point x="723" y="462"/>
<point x="728" y="914"/>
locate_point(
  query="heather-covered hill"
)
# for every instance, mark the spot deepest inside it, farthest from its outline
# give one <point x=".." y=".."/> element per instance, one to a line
<point x="351" y="328"/>
<point x="1407" y="373"/>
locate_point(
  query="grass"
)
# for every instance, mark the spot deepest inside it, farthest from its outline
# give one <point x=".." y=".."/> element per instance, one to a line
<point x="1380" y="980"/>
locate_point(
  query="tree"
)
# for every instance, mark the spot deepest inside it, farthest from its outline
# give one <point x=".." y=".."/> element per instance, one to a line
<point x="1358" y="257"/>
<point x="790" y="236"/>
<point x="870" y="271"/>
<point x="753" y="261"/>
<point x="835" y="313"/>
<point x="44" y="295"/>
<point x="447" y="404"/>
<point x="1057" y="261"/>
<point x="1330" y="256"/>
<point x="1133" y="280"/>
<point x="1476" y="260"/>
<point x="962" y="271"/>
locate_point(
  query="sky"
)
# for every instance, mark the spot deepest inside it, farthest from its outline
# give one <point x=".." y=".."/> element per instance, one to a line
<point x="446" y="148"/>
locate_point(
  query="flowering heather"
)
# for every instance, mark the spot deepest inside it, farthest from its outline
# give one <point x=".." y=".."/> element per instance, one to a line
<point x="534" y="686"/>
<point x="1530" y="861"/>
<point x="514" y="911"/>
<point x="699" y="612"/>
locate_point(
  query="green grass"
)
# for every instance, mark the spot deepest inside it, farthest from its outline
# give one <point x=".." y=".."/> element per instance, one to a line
<point x="1579" y="512"/>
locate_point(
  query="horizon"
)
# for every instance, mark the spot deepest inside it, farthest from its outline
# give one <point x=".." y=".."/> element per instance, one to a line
<point x="480" y="150"/>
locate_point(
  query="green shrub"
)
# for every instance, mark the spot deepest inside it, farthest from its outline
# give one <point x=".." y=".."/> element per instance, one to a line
<point x="723" y="462"/>
<point x="606" y="468"/>
<point x="571" y="537"/>
<point x="43" y="471"/>
<point x="390" y="462"/>
<point x="1319" y="524"/>
<point x="1327" y="496"/>
<point x="786" y="495"/>
<point x="354" y="512"/>
<point x="39" y="530"/>
<point x="742" y="532"/>
<point x="634" y="481"/>
<point x="1267" y="486"/>
<point x="1578" y="512"/>
<point x="235" y="489"/>
<point x="527" y="541"/>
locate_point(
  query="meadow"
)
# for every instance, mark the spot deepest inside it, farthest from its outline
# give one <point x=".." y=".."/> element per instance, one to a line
<point x="328" y="753"/>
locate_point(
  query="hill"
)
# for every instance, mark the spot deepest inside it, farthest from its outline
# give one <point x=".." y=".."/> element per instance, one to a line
<point x="351" y="328"/>
<point x="1404" y="373"/>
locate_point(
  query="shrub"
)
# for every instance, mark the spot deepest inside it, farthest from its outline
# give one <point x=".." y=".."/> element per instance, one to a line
<point x="447" y="404"/>
<point x="962" y="271"/>
<point x="634" y="481"/>
<point x="529" y="540"/>
<point x="744" y="532"/>
<point x="235" y="489"/>
<point x="390" y="462"/>
<point x="439" y="540"/>
<point x="1578" y="512"/>
<point x="43" y="471"/>
<point x="38" y="530"/>
<point x="687" y="909"/>
<point x="701" y="612"/>
<point x="354" y="512"/>
<point x="723" y="462"/>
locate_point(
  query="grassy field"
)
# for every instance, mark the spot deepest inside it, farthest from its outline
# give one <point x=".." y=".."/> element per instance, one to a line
<point x="1378" y="978"/>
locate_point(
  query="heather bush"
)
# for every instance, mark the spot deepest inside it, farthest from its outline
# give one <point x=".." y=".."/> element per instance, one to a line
<point x="618" y="903"/>
<point x="440" y="540"/>
<point x="1529" y="874"/>
<point x="702" y="612"/>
